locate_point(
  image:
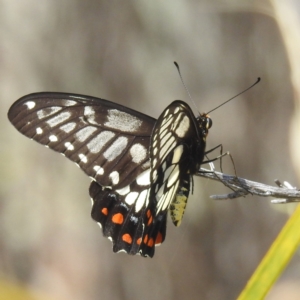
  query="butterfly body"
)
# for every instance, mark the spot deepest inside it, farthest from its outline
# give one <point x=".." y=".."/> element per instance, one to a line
<point x="141" y="167"/>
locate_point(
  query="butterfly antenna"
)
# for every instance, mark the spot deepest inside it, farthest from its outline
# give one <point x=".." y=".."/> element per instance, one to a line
<point x="256" y="82"/>
<point x="191" y="99"/>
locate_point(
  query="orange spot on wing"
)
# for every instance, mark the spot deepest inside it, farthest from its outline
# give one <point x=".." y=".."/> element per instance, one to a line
<point x="127" y="238"/>
<point x="158" y="239"/>
<point x="150" y="243"/>
<point x="104" y="210"/>
<point x="118" y="218"/>
<point x="139" y="240"/>
<point x="148" y="213"/>
<point x="146" y="239"/>
<point x="150" y="221"/>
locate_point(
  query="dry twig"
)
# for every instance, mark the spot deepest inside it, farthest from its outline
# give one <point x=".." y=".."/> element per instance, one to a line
<point x="241" y="187"/>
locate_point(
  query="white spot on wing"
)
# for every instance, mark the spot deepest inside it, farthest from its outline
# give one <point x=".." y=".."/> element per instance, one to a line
<point x="166" y="119"/>
<point x="144" y="178"/>
<point x="69" y="146"/>
<point x="176" y="110"/>
<point x="85" y="132"/>
<point x="59" y="118"/>
<point x="134" y="219"/>
<point x="121" y="250"/>
<point x="183" y="127"/>
<point x="53" y="138"/>
<point x="146" y="165"/>
<point x="131" y="197"/>
<point x="173" y="176"/>
<point x="89" y="112"/>
<point x="115" y="177"/>
<point x="68" y="127"/>
<point x="154" y="162"/>
<point x="166" y="112"/>
<point x="169" y="197"/>
<point x="160" y="192"/>
<point x="39" y="130"/>
<point x="122" y="121"/>
<point x="83" y="158"/>
<point x="124" y="190"/>
<point x="165" y="138"/>
<point x="165" y="199"/>
<point x="177" y="154"/>
<point x="154" y="143"/>
<point x="175" y="123"/>
<point x="166" y="148"/>
<point x="138" y="153"/>
<point x="154" y="175"/>
<point x="165" y="124"/>
<point x="116" y="148"/>
<point x="30" y="104"/>
<point x="168" y="172"/>
<point x="46" y="112"/>
<point x="97" y="143"/>
<point x="161" y="203"/>
<point x="141" y="200"/>
<point x="99" y="170"/>
<point x="69" y="102"/>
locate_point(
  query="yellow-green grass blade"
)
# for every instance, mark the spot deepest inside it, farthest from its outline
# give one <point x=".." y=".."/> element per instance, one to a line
<point x="11" y="290"/>
<point x="275" y="261"/>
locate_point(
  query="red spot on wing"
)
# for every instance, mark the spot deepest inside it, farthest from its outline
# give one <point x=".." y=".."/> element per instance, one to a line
<point x="150" y="221"/>
<point x="104" y="210"/>
<point x="148" y="213"/>
<point x="150" y="243"/>
<point x="117" y="218"/>
<point x="139" y="241"/>
<point x="158" y="239"/>
<point x="146" y="239"/>
<point x="127" y="238"/>
<point x="149" y="216"/>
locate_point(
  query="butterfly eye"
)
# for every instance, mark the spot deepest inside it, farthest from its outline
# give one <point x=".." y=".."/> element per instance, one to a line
<point x="208" y="123"/>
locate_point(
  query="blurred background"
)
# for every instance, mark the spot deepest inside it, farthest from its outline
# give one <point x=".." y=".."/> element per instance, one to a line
<point x="123" y="51"/>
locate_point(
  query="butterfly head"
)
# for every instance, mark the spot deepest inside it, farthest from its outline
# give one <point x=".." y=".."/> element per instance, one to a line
<point x="204" y="123"/>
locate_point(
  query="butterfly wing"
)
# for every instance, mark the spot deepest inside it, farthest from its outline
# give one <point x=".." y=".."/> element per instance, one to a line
<point x="140" y="167"/>
<point x="177" y="149"/>
<point x="109" y="142"/>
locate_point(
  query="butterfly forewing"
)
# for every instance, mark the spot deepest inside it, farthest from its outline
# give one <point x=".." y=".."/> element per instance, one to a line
<point x="175" y="150"/>
<point x="108" y="141"/>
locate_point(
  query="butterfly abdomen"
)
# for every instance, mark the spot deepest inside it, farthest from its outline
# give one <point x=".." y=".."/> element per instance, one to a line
<point x="178" y="205"/>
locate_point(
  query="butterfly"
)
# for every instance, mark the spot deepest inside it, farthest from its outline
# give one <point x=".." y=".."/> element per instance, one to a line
<point x="140" y="167"/>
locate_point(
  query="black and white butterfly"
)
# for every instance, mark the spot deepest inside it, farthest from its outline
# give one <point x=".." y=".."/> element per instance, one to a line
<point x="140" y="167"/>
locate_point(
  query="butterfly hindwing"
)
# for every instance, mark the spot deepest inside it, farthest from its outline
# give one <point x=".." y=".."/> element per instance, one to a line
<point x="118" y="220"/>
